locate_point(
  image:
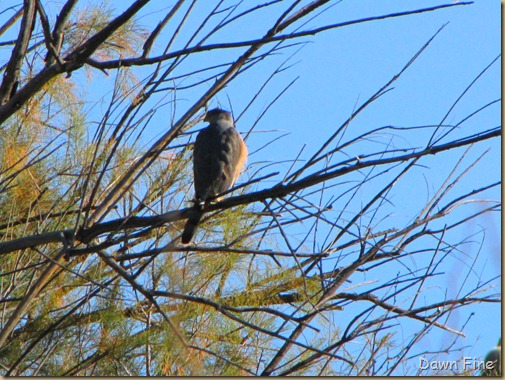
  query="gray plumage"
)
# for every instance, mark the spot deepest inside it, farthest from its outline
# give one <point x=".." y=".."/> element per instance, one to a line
<point x="219" y="156"/>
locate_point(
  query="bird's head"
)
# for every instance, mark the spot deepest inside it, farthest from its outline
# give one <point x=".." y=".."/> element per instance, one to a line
<point x="216" y="114"/>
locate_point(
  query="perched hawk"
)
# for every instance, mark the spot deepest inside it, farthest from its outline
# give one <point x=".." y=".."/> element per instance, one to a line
<point x="218" y="158"/>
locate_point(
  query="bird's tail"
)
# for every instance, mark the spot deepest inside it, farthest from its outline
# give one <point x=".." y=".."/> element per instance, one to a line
<point x="192" y="223"/>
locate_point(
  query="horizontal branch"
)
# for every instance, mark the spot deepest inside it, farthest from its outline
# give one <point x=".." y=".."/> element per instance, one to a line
<point x="86" y="235"/>
<point x="142" y="61"/>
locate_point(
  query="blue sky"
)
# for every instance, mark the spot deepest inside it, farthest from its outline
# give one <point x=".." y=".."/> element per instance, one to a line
<point x="339" y="69"/>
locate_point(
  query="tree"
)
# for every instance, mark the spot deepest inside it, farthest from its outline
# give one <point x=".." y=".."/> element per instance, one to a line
<point x="285" y="276"/>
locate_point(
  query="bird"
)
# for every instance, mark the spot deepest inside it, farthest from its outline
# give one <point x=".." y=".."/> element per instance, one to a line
<point x="493" y="356"/>
<point x="219" y="156"/>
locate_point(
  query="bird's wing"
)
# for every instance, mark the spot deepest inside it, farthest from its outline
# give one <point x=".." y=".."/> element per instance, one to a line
<point x="206" y="166"/>
<point x="218" y="159"/>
